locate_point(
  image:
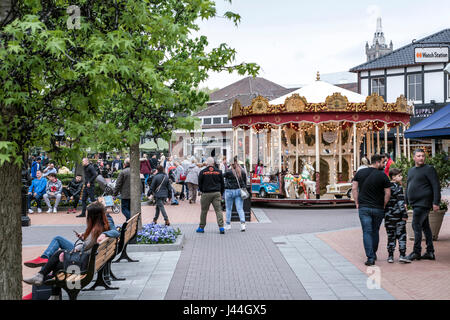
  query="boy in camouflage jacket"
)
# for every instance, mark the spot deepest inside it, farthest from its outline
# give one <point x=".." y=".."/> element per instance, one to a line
<point x="395" y="217"/>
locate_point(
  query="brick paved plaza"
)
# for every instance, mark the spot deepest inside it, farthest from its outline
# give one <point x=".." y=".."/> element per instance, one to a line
<point x="286" y="253"/>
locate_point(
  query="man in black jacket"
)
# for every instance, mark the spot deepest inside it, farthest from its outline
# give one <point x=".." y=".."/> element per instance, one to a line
<point x="90" y="173"/>
<point x="211" y="185"/>
<point x="423" y="193"/>
<point x="73" y="192"/>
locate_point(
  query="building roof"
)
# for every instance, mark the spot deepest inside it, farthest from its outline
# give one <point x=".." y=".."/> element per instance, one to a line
<point x="318" y="91"/>
<point x="248" y="85"/>
<point x="436" y="125"/>
<point x="404" y="56"/>
<point x="223" y="107"/>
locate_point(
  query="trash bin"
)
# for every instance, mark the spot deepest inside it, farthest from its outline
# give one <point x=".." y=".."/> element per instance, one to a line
<point x="247" y="208"/>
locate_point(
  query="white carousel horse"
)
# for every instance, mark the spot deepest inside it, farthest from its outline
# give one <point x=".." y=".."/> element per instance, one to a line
<point x="288" y="182"/>
<point x="310" y="185"/>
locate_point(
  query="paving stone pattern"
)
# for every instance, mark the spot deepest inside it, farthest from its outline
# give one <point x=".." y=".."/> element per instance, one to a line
<point x="324" y="273"/>
<point x="147" y="279"/>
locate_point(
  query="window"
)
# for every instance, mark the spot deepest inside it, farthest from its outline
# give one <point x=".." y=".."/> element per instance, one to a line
<point x="448" y="87"/>
<point x="415" y="87"/>
<point x="378" y="86"/>
<point x="217" y="120"/>
<point x="225" y="119"/>
<point x="206" y="120"/>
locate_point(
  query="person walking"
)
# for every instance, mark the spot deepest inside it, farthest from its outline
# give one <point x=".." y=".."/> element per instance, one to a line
<point x="35" y="166"/>
<point x="145" y="169"/>
<point x="388" y="164"/>
<point x="90" y="174"/>
<point x="123" y="186"/>
<point x="36" y="190"/>
<point x="161" y="188"/>
<point x="371" y="190"/>
<point x="192" y="180"/>
<point x="235" y="179"/>
<point x="211" y="185"/>
<point x="395" y="218"/>
<point x="423" y="193"/>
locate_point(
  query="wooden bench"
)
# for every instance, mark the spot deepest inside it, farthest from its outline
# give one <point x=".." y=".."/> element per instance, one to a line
<point x="129" y="231"/>
<point x="101" y="255"/>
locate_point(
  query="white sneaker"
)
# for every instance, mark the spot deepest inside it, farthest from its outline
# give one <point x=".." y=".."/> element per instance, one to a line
<point x="39" y="210"/>
<point x="50" y="210"/>
<point x="30" y="211"/>
<point x="54" y="298"/>
<point x="227" y="226"/>
<point x="242" y="226"/>
<point x="55" y="210"/>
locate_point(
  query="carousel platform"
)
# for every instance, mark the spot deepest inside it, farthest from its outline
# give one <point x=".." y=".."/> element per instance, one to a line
<point x="319" y="203"/>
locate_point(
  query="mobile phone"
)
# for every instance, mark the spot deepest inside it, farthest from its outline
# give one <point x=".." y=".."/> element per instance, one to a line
<point x="77" y="234"/>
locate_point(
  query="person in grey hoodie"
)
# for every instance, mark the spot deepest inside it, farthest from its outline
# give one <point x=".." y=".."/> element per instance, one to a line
<point x="54" y="190"/>
<point x="192" y="180"/>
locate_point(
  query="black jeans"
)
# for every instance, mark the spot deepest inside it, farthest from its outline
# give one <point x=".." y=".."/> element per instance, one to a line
<point x="68" y="194"/>
<point x="421" y="223"/>
<point x="87" y="192"/>
<point x="126" y="208"/>
<point x="51" y="268"/>
<point x="160" y="208"/>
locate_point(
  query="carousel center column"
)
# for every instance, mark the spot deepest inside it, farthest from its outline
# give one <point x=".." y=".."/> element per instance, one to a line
<point x="317" y="162"/>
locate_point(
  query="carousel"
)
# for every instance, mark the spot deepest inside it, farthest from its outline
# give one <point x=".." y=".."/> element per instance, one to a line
<point x="307" y="145"/>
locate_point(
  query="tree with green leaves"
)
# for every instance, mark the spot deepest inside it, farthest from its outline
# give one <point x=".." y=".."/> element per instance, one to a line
<point x="103" y="72"/>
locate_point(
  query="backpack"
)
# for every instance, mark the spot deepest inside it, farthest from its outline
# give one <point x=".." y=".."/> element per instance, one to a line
<point x="172" y="175"/>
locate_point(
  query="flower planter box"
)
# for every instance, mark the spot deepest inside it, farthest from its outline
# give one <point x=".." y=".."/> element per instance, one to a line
<point x="435" y="218"/>
<point x="176" y="246"/>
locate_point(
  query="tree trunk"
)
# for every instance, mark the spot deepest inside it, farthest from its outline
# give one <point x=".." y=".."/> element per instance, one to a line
<point x="10" y="232"/>
<point x="135" y="181"/>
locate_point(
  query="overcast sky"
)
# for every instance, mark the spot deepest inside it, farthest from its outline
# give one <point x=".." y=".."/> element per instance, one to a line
<point x="292" y="39"/>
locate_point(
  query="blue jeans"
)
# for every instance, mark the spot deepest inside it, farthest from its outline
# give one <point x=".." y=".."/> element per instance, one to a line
<point x="234" y="195"/>
<point x="126" y="208"/>
<point x="371" y="219"/>
<point x="56" y="244"/>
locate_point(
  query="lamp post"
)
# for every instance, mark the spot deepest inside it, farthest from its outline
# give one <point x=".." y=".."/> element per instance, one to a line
<point x="25" y="219"/>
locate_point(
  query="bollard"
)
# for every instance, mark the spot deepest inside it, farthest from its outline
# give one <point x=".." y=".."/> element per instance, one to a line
<point x="26" y="222"/>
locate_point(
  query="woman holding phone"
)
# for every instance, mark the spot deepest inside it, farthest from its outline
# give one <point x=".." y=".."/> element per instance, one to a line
<point x="99" y="225"/>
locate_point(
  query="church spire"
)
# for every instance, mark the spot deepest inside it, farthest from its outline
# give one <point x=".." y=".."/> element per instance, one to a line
<point x="379" y="46"/>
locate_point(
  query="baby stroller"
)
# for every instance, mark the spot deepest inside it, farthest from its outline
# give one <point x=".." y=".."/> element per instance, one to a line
<point x="110" y="200"/>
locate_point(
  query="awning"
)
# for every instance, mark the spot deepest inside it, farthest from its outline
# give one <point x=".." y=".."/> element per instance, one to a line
<point x="435" y="126"/>
<point x="151" y="145"/>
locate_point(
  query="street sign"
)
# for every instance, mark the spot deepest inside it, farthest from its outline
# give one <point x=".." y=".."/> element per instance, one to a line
<point x="434" y="54"/>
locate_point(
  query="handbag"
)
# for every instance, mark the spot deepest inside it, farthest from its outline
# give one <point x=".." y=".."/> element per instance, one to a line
<point x="79" y="259"/>
<point x="244" y="192"/>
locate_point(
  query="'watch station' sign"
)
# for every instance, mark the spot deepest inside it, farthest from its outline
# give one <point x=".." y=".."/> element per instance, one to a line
<point x="435" y="54"/>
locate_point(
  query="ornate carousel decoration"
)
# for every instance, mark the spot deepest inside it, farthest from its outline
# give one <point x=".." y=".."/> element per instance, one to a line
<point x="318" y="130"/>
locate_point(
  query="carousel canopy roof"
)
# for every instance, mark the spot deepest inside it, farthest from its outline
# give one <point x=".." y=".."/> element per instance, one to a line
<point x="318" y="91"/>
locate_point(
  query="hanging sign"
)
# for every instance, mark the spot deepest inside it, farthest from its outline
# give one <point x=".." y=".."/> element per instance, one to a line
<point x="435" y="54"/>
<point x="330" y="136"/>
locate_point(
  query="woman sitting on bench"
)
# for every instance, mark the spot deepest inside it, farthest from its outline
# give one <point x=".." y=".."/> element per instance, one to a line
<point x="98" y="228"/>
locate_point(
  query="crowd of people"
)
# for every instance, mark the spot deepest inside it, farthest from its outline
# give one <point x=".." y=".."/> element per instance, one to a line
<point x="164" y="180"/>
<point x="378" y="193"/>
